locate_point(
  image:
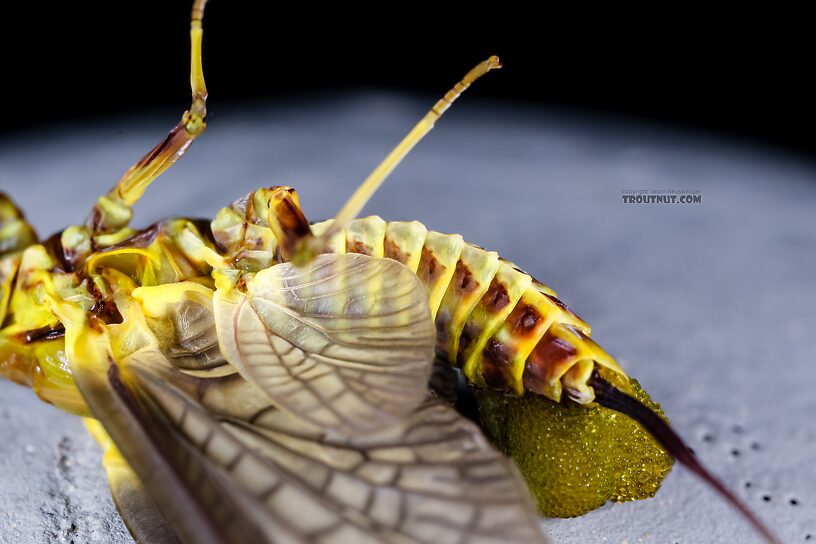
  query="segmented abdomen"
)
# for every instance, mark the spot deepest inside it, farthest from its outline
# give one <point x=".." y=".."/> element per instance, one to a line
<point x="504" y="329"/>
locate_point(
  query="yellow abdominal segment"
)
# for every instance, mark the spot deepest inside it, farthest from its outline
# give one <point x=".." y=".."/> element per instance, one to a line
<point x="502" y="328"/>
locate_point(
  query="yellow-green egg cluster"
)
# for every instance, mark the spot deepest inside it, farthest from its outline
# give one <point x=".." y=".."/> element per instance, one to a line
<point x="574" y="457"/>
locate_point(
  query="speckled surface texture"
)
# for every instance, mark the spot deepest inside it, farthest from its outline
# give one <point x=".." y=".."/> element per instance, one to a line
<point x="710" y="306"/>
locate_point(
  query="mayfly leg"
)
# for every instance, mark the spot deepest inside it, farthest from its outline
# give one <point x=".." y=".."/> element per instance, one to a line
<point x="314" y="246"/>
<point x="113" y="210"/>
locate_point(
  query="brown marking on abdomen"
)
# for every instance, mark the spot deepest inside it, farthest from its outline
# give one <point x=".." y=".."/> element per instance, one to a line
<point x="392" y="251"/>
<point x="443" y="323"/>
<point x="430" y="269"/>
<point x="545" y="357"/>
<point x="470" y="333"/>
<point x="463" y="282"/>
<point x="358" y="247"/>
<point x="496" y="358"/>
<point x="523" y="320"/>
<point x="496" y="297"/>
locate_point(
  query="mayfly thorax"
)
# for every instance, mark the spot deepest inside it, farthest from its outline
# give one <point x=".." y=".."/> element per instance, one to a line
<point x="260" y="377"/>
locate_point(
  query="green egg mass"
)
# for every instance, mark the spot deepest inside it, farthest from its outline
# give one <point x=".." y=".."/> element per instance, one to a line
<point x="574" y="457"/>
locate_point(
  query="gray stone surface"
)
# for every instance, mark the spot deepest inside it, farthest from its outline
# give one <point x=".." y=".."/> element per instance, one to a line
<point x="710" y="305"/>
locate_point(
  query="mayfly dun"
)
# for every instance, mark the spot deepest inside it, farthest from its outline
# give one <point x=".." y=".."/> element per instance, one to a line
<point x="264" y="378"/>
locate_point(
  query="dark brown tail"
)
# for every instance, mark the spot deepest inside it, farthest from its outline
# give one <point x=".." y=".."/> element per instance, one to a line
<point x="607" y="395"/>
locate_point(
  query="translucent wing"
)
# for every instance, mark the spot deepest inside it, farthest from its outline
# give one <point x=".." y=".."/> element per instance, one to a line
<point x="143" y="521"/>
<point x="346" y="342"/>
<point x="241" y="470"/>
<point x="194" y="343"/>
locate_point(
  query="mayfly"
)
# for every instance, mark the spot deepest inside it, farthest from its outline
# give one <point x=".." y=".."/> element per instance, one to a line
<point x="261" y="378"/>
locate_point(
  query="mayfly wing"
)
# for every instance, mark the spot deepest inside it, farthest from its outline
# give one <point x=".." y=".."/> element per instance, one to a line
<point x="143" y="520"/>
<point x="227" y="471"/>
<point x="180" y="315"/>
<point x="345" y="342"/>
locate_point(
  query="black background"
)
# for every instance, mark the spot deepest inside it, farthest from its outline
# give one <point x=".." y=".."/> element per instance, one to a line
<point x="747" y="75"/>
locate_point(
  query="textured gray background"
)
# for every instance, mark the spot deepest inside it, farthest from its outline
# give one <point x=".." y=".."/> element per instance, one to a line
<point x="710" y="306"/>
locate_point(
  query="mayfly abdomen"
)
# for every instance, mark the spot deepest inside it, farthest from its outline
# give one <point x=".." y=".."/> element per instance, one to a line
<point x="502" y="328"/>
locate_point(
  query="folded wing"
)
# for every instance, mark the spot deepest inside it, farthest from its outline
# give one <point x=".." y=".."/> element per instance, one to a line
<point x="247" y="471"/>
<point x="345" y="342"/>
